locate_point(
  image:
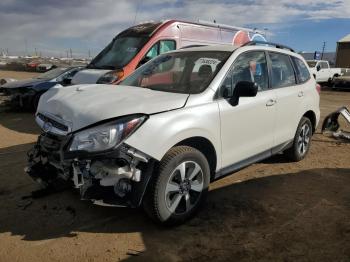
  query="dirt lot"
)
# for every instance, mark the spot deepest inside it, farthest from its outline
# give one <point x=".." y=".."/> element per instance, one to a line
<point x="271" y="211"/>
<point x="17" y="75"/>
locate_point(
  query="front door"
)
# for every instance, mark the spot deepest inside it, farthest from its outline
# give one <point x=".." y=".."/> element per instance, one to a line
<point x="247" y="128"/>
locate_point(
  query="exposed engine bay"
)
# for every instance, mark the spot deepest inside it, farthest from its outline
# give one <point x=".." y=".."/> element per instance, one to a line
<point x="115" y="178"/>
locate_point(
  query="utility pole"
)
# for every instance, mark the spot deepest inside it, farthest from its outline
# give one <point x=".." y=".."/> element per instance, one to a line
<point x="323" y="48"/>
<point x="71" y="53"/>
<point x="26" y="47"/>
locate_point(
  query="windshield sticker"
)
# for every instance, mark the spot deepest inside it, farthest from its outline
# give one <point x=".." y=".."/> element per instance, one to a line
<point x="207" y="61"/>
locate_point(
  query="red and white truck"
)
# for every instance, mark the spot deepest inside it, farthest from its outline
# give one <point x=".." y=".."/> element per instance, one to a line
<point x="138" y="44"/>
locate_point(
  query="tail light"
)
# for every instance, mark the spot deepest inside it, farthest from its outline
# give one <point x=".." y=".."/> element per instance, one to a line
<point x="318" y="88"/>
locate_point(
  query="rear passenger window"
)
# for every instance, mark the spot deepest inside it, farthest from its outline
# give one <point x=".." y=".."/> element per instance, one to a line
<point x="249" y="66"/>
<point x="282" y="70"/>
<point x="302" y="70"/>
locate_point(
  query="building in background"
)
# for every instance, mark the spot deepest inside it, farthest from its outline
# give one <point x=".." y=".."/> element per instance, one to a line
<point x="343" y="52"/>
<point x="329" y="56"/>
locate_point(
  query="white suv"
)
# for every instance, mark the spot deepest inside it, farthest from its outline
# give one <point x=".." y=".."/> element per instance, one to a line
<point x="180" y="121"/>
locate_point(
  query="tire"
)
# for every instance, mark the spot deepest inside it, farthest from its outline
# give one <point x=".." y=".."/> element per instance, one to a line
<point x="174" y="196"/>
<point x="301" y="142"/>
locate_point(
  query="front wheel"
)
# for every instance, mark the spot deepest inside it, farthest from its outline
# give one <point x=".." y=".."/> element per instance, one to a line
<point x="179" y="187"/>
<point x="302" y="141"/>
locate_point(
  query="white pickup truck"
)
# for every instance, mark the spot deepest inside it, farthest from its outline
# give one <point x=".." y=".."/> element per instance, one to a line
<point x="322" y="71"/>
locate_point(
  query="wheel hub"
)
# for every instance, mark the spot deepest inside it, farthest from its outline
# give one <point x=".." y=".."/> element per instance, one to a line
<point x="185" y="186"/>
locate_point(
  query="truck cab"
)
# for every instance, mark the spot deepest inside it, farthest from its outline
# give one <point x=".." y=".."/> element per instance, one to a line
<point x="322" y="71"/>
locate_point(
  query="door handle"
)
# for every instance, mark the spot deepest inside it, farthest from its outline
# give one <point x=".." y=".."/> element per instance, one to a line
<point x="271" y="102"/>
<point x="301" y="94"/>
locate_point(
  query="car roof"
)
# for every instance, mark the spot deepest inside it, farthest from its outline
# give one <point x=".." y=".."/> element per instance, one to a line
<point x="227" y="48"/>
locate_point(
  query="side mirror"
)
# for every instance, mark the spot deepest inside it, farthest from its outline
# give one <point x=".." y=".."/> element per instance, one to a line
<point x="144" y="60"/>
<point x="66" y="81"/>
<point x="243" y="89"/>
<point x="318" y="68"/>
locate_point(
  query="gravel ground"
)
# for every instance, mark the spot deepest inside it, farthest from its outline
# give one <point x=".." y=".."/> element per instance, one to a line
<point x="270" y="211"/>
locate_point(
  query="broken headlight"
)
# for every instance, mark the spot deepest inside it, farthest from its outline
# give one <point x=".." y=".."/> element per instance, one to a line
<point x="105" y="136"/>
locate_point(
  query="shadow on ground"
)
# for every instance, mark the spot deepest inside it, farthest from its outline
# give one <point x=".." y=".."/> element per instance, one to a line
<point x="299" y="216"/>
<point x="19" y="121"/>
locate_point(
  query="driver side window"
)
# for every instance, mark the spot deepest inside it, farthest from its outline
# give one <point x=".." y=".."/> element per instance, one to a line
<point x="249" y="66"/>
<point x="158" y="48"/>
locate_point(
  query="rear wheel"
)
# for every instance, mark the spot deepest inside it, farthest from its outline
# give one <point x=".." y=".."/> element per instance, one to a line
<point x="302" y="140"/>
<point x="180" y="186"/>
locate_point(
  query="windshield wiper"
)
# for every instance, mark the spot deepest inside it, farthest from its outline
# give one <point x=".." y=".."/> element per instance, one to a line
<point x="107" y="67"/>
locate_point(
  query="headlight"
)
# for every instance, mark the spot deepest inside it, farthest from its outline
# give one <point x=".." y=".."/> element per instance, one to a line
<point x="106" y="136"/>
<point x="110" y="77"/>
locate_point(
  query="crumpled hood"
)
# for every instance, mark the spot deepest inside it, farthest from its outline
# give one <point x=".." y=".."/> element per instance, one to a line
<point x="88" y="76"/>
<point x="83" y="105"/>
<point x="23" y="83"/>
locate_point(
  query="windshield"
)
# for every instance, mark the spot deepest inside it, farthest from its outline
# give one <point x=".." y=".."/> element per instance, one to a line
<point x="179" y="72"/>
<point x="52" y="73"/>
<point x="311" y="63"/>
<point x="118" y="53"/>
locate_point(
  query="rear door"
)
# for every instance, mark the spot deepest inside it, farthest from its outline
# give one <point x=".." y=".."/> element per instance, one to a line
<point x="247" y="128"/>
<point x="289" y="97"/>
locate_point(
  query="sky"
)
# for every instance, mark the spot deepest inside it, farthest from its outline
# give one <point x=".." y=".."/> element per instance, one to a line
<point x="52" y="27"/>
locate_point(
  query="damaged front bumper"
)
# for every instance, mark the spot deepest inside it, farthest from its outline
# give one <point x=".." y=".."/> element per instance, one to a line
<point x="115" y="178"/>
<point x="19" y="97"/>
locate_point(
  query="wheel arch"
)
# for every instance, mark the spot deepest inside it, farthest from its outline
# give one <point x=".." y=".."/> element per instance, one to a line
<point x="312" y="116"/>
<point x="203" y="145"/>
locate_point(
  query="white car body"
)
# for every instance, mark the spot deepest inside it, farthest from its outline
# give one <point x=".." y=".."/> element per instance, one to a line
<point x="323" y="72"/>
<point x="254" y="129"/>
<point x="197" y="115"/>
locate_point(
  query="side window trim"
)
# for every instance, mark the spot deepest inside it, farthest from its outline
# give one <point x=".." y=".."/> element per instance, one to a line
<point x="292" y="64"/>
<point x="299" y="81"/>
<point x="217" y="93"/>
<point x="269" y="69"/>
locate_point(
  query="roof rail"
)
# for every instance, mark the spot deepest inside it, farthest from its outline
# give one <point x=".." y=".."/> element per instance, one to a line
<point x="209" y="23"/>
<point x="190" y="46"/>
<point x="268" y="43"/>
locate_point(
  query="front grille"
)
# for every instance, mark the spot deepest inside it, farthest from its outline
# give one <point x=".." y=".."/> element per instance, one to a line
<point x="54" y="123"/>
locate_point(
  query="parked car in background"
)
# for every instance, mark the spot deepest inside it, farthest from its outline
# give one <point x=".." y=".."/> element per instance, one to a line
<point x="322" y="72"/>
<point x="180" y="121"/>
<point x="138" y="44"/>
<point x="343" y="80"/>
<point x="26" y="93"/>
<point x="45" y="67"/>
<point x="6" y="80"/>
<point x="3" y="64"/>
<point x="31" y="66"/>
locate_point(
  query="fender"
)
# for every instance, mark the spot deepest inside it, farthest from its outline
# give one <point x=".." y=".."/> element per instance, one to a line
<point x="197" y="121"/>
